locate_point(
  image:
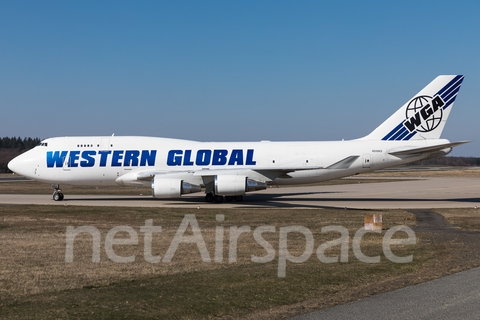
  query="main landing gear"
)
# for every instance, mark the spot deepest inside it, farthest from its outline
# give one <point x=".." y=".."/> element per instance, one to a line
<point x="57" y="194"/>
<point x="210" y="197"/>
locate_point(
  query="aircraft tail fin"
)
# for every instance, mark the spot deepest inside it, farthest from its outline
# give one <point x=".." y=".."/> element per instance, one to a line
<point x="424" y="116"/>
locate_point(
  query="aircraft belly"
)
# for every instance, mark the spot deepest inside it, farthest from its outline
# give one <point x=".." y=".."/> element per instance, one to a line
<point x="80" y="177"/>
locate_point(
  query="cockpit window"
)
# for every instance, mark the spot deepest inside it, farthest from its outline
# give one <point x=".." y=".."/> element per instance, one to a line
<point x="42" y="144"/>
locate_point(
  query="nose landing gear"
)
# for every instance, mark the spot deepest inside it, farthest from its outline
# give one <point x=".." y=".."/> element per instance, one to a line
<point x="57" y="194"/>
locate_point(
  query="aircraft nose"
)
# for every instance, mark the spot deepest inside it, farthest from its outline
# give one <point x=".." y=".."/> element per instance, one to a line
<point x="19" y="165"/>
<point x="13" y="165"/>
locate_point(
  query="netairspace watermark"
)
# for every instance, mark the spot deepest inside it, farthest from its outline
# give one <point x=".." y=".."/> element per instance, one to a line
<point x="284" y="255"/>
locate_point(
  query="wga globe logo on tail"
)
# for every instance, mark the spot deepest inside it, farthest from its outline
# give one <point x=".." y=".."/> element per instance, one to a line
<point x="424" y="113"/>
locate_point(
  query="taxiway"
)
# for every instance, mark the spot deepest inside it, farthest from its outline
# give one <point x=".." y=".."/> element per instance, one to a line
<point x="411" y="193"/>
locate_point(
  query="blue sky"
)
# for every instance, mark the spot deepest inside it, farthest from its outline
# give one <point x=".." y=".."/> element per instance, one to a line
<point x="232" y="71"/>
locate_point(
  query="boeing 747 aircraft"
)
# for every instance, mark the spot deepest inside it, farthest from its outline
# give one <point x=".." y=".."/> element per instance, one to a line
<point x="228" y="170"/>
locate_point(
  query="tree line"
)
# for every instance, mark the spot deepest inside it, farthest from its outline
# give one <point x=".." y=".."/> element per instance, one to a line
<point x="18" y="143"/>
<point x="450" y="161"/>
<point x="12" y="147"/>
<point x="4" y="168"/>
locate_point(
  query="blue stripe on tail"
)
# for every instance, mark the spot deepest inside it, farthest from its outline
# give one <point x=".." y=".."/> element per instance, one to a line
<point x="448" y="94"/>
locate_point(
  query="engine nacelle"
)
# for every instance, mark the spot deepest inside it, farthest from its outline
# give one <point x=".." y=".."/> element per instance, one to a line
<point x="233" y="185"/>
<point x="172" y="188"/>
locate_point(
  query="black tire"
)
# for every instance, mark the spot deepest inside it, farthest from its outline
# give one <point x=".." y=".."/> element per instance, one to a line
<point x="57" y="196"/>
<point x="61" y="196"/>
<point x="229" y="198"/>
<point x="218" y="199"/>
<point x="239" y="198"/>
<point x="209" y="197"/>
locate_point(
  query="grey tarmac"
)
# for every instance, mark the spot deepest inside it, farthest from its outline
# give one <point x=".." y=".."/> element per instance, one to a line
<point x="409" y="194"/>
<point x="452" y="297"/>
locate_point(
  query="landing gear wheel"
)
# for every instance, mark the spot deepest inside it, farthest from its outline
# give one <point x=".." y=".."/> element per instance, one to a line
<point x="209" y="197"/>
<point x="229" y="198"/>
<point x="218" y="199"/>
<point x="58" y="196"/>
<point x="239" y="198"/>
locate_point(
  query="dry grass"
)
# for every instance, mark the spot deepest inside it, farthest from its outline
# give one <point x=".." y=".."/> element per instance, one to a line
<point x="465" y="218"/>
<point x="33" y="243"/>
<point x="36" y="280"/>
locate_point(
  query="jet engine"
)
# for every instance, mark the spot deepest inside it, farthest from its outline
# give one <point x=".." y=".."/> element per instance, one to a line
<point x="233" y="185"/>
<point x="172" y="188"/>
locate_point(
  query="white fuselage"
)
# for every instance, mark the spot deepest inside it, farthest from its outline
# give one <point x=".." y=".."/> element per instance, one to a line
<point x="108" y="161"/>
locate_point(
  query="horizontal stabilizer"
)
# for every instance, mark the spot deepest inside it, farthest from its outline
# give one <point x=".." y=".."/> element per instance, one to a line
<point x="413" y="151"/>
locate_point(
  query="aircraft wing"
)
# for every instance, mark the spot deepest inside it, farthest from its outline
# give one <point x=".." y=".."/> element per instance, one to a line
<point x="258" y="173"/>
<point x="271" y="173"/>
<point x="416" y="151"/>
<point x="204" y="176"/>
<point x="215" y="172"/>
